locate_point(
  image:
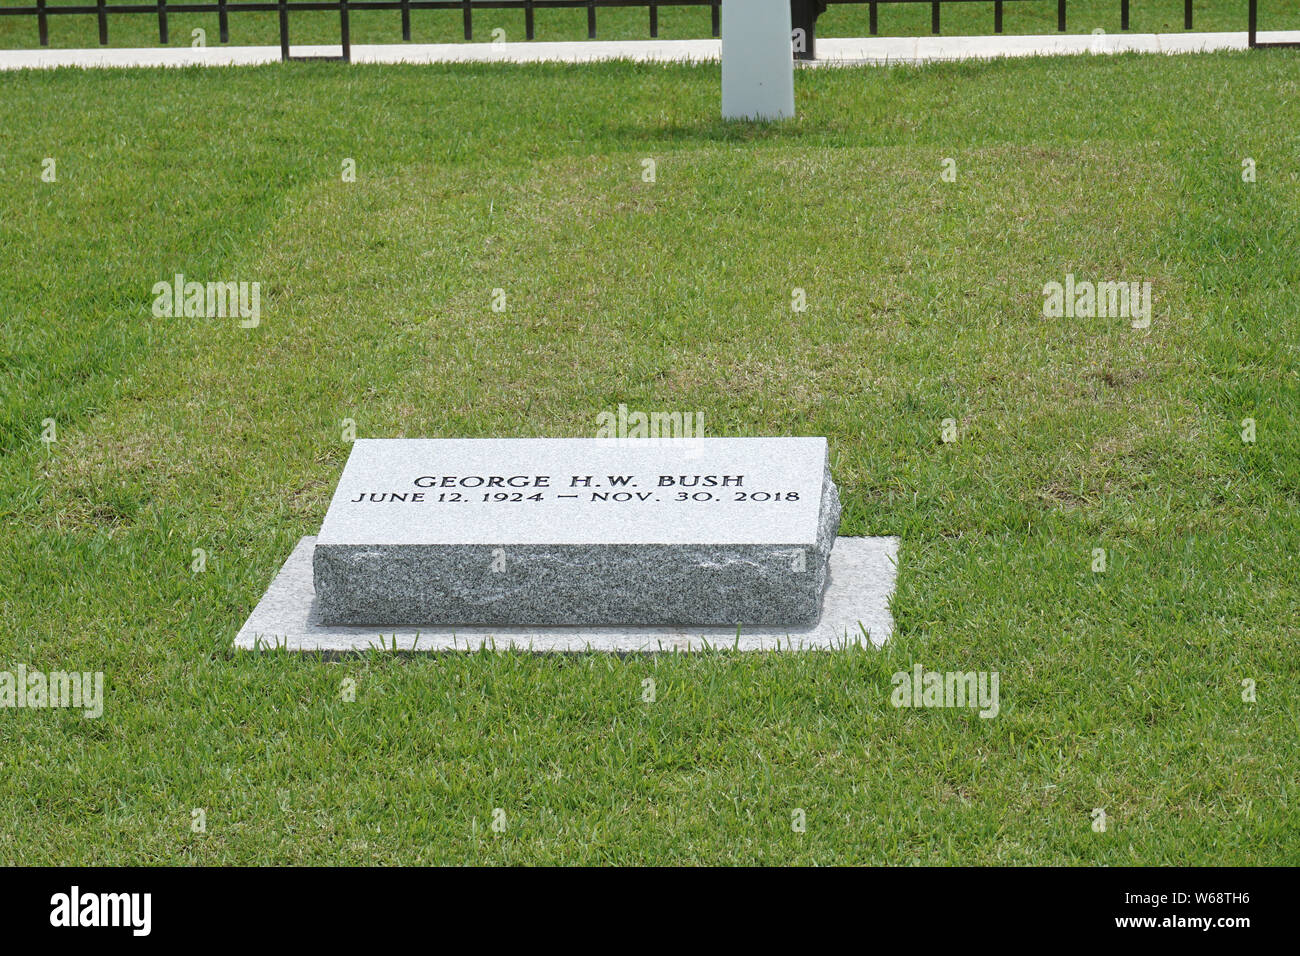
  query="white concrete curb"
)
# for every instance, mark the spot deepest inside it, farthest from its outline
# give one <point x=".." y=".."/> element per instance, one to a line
<point x="831" y="51"/>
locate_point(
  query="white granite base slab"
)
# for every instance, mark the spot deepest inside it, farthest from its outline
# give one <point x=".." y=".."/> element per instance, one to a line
<point x="855" y="612"/>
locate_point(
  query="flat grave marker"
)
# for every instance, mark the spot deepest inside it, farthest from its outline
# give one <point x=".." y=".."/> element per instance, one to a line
<point x="624" y="545"/>
<point x="578" y="532"/>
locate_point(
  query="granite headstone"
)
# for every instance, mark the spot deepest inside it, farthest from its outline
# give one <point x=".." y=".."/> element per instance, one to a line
<point x="578" y="532"/>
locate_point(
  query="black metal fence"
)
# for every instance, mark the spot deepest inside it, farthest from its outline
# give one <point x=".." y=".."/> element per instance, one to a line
<point x="102" y="9"/>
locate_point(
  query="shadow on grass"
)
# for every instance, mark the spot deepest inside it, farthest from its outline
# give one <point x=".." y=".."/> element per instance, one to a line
<point x="713" y="131"/>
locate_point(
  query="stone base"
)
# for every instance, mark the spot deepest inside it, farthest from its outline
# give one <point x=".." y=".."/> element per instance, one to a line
<point x="855" y="611"/>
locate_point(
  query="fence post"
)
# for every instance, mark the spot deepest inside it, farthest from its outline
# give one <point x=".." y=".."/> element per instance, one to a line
<point x="468" y="16"/>
<point x="875" y="23"/>
<point x="42" y="23"/>
<point x="803" y="19"/>
<point x="102" y="16"/>
<point x="1123" y="14"/>
<point x="223" y="22"/>
<point x="997" y="16"/>
<point x="406" y="21"/>
<point x="530" y="26"/>
<point x="654" y="20"/>
<point x="345" y="31"/>
<point x="1250" y="38"/>
<point x="162" y="22"/>
<point x="1187" y="14"/>
<point x="591" y="19"/>
<point x="934" y="17"/>
<point x="1060" y="15"/>
<point x="717" y="18"/>
<point x="284" y="31"/>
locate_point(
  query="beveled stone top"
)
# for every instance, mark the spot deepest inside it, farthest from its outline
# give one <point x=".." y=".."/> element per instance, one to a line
<point x="559" y="491"/>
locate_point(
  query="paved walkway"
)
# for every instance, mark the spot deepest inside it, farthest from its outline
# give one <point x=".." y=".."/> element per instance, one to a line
<point x="830" y="51"/>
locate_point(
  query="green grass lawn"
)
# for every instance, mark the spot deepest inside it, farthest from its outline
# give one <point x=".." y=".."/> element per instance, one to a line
<point x="441" y="26"/>
<point x="1120" y="690"/>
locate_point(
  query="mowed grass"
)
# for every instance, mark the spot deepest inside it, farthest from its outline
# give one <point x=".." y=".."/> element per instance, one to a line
<point x="447" y="26"/>
<point x="1120" y="690"/>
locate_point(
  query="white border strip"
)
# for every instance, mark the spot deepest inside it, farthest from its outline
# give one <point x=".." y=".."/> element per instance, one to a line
<point x="831" y="50"/>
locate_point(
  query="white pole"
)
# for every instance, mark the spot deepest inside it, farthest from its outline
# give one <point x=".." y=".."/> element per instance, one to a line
<point x="757" y="60"/>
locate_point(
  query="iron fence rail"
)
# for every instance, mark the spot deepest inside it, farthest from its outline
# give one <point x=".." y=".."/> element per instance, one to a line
<point x="102" y="9"/>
